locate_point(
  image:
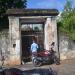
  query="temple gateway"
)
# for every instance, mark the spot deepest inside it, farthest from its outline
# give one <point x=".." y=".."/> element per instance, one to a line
<point x="26" y="25"/>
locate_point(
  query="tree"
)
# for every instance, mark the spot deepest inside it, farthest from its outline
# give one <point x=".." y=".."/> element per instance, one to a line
<point x="72" y="25"/>
<point x="68" y="20"/>
<point x="68" y="6"/>
<point x="8" y="4"/>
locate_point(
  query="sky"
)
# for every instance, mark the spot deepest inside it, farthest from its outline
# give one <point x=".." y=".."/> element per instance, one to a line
<point x="47" y="4"/>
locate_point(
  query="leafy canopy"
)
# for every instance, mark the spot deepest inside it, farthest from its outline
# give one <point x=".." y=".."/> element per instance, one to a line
<point x="8" y="4"/>
<point x="67" y="24"/>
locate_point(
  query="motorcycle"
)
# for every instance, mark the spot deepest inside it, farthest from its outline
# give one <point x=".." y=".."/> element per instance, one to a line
<point x="45" y="56"/>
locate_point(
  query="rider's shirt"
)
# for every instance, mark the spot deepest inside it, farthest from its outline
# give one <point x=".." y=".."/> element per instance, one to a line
<point x="34" y="47"/>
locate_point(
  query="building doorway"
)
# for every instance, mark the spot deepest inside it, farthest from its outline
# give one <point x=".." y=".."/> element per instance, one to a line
<point x="26" y="44"/>
<point x="27" y="36"/>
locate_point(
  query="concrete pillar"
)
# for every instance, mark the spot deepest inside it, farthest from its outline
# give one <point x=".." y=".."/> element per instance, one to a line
<point x="50" y="32"/>
<point x="14" y="37"/>
<point x="54" y="23"/>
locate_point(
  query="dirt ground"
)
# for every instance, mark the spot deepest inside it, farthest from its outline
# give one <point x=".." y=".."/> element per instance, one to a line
<point x="67" y="67"/>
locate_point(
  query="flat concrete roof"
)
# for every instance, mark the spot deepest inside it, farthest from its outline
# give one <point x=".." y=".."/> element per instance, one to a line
<point x="32" y="12"/>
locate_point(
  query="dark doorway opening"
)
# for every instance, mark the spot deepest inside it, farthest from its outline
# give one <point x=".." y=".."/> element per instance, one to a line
<point x="26" y="44"/>
<point x="28" y="33"/>
<point x="27" y="39"/>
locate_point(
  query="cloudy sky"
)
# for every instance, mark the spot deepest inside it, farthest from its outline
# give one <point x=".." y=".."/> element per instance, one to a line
<point x="58" y="4"/>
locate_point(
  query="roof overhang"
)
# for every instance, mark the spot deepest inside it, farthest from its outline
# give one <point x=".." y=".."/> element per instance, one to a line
<point x="32" y="12"/>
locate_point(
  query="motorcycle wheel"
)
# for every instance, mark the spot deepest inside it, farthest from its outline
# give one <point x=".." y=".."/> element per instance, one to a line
<point x="36" y="63"/>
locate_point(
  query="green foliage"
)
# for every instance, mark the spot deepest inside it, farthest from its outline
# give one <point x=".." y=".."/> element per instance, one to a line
<point x="8" y="4"/>
<point x="72" y="25"/>
<point x="68" y="6"/>
<point x="68" y="20"/>
<point x="72" y="36"/>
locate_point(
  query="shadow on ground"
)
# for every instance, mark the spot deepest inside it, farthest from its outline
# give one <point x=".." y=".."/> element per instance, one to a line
<point x="15" y="71"/>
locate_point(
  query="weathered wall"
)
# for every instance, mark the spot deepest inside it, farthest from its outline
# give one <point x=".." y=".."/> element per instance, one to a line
<point x="4" y="45"/>
<point x="66" y="47"/>
<point x="10" y="42"/>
